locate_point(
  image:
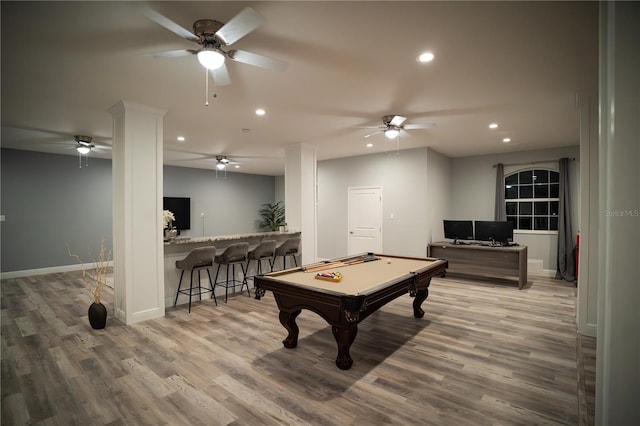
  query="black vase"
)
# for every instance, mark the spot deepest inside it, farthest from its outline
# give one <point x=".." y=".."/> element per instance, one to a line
<point x="97" y="315"/>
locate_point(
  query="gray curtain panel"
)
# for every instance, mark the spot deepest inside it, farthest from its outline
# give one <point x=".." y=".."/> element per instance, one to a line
<point x="566" y="268"/>
<point x="500" y="207"/>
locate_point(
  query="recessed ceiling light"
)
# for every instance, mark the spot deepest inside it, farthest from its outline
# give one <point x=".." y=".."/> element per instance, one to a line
<point x="506" y="140"/>
<point x="260" y="111"/>
<point x="493" y="125"/>
<point x="369" y="145"/>
<point x="237" y="166"/>
<point x="425" y="57"/>
<point x="180" y="138"/>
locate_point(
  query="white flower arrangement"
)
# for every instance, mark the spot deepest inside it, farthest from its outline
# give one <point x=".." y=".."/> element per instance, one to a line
<point x="167" y="219"/>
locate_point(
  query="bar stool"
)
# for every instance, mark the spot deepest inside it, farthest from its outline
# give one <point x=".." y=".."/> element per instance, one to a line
<point x="263" y="251"/>
<point x="290" y="247"/>
<point x="198" y="259"/>
<point x="233" y="255"/>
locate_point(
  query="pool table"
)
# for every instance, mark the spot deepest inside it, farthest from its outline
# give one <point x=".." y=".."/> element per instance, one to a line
<point x="368" y="282"/>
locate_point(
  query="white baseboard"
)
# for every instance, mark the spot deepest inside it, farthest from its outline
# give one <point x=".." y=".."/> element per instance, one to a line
<point x="536" y="267"/>
<point x="43" y="271"/>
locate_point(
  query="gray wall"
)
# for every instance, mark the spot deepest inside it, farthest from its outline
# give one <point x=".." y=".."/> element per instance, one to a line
<point x="404" y="181"/>
<point x="422" y="187"/>
<point x="473" y="195"/>
<point x="230" y="204"/>
<point x="48" y="201"/>
<point x="439" y="193"/>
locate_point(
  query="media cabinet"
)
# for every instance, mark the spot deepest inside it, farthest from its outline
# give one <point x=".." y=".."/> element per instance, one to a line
<point x="487" y="261"/>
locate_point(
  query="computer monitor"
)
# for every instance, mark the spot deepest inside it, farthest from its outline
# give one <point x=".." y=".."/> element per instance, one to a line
<point x="494" y="231"/>
<point x="458" y="230"/>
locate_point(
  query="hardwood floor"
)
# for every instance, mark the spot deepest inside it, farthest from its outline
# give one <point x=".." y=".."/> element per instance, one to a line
<point x="484" y="354"/>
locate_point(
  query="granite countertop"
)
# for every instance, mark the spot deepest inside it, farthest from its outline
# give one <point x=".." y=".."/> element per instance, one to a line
<point x="189" y="240"/>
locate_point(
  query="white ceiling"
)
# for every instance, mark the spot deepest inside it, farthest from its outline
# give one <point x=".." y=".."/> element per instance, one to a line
<point x="520" y="64"/>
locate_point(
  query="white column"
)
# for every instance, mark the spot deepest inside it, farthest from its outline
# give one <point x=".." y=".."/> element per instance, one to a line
<point x="618" y="343"/>
<point x="138" y="252"/>
<point x="300" y="192"/>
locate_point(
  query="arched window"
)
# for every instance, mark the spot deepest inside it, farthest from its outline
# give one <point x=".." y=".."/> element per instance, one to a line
<point x="531" y="198"/>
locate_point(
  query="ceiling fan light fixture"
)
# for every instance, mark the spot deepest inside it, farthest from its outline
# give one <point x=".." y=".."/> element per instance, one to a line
<point x="220" y="166"/>
<point x="211" y="58"/>
<point x="426" y="57"/>
<point x="83" y="149"/>
<point x="391" y="133"/>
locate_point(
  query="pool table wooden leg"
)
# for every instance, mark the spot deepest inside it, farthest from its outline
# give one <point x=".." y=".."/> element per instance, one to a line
<point x="421" y="296"/>
<point x="288" y="320"/>
<point x="344" y="338"/>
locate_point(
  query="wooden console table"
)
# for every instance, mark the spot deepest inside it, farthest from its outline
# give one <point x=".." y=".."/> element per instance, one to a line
<point x="488" y="261"/>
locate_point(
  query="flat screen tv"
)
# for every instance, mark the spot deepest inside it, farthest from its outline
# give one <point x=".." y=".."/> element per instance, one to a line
<point x="458" y="230"/>
<point x="494" y="231"/>
<point x="181" y="209"/>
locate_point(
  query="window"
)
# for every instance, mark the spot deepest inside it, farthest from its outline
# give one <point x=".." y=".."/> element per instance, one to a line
<point x="531" y="198"/>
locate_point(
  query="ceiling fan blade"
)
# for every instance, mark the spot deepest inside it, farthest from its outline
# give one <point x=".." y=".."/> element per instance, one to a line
<point x="397" y="120"/>
<point x="174" y="53"/>
<point x="258" y="60"/>
<point x="221" y="76"/>
<point x="168" y="24"/>
<point x="239" y="26"/>
<point x="419" y="126"/>
<point x="374" y="133"/>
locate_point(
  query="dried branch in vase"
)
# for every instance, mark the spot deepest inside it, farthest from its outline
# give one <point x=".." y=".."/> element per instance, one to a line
<point x="100" y="270"/>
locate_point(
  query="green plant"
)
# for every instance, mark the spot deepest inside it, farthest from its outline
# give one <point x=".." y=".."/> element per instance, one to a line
<point x="272" y="216"/>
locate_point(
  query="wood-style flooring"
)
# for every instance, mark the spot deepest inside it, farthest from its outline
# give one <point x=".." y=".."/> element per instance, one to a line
<point x="485" y="353"/>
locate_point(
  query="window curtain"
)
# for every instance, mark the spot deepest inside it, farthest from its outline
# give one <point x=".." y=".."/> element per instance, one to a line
<point x="566" y="267"/>
<point x="500" y="207"/>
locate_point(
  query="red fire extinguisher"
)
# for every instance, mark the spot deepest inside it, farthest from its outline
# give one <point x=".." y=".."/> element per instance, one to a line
<point x="577" y="253"/>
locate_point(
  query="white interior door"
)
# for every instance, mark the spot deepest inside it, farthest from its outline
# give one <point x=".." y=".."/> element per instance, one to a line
<point x="365" y="220"/>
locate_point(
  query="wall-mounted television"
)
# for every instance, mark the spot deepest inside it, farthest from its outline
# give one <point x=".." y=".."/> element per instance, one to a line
<point x="181" y="209"/>
<point x="458" y="230"/>
<point x="494" y="231"/>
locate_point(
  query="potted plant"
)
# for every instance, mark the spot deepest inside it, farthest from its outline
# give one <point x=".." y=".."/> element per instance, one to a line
<point x="272" y="216"/>
<point x="170" y="233"/>
<point x="98" y="278"/>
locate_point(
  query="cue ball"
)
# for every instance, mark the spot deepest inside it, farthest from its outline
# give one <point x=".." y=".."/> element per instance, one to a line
<point x="388" y="260"/>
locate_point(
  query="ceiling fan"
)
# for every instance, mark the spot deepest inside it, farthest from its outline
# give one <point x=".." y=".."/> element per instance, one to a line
<point x="222" y="162"/>
<point x="213" y="37"/>
<point x="392" y="126"/>
<point x="84" y="146"/>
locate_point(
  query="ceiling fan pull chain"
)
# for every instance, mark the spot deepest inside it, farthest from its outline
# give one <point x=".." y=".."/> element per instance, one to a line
<point x="206" y="87"/>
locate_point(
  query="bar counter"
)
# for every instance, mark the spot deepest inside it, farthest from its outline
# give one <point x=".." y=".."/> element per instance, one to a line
<point x="180" y="247"/>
